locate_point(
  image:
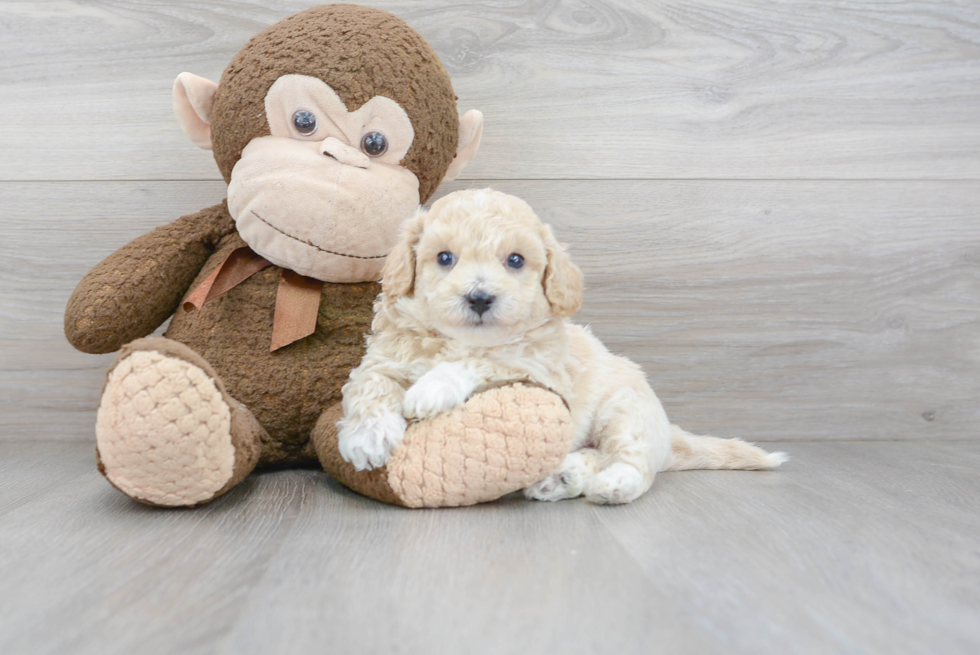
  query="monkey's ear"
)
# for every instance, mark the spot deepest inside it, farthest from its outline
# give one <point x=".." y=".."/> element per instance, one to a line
<point x="562" y="278"/>
<point x="470" y="131"/>
<point x="398" y="275"/>
<point x="193" y="99"/>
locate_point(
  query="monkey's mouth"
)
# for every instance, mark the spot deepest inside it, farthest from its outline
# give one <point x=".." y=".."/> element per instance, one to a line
<point x="313" y="245"/>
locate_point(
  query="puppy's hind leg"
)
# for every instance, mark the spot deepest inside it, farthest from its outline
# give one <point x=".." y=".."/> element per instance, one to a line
<point x="569" y="481"/>
<point x="633" y="435"/>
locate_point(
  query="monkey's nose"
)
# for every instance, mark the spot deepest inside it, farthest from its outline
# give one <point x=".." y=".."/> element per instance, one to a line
<point x="480" y="301"/>
<point x="345" y="154"/>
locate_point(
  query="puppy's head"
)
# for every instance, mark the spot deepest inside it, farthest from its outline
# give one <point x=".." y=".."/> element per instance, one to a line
<point x="483" y="267"/>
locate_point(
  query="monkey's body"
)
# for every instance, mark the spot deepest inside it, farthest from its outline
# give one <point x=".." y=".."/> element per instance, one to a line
<point x="185" y="418"/>
<point x="288" y="389"/>
<point x="285" y="390"/>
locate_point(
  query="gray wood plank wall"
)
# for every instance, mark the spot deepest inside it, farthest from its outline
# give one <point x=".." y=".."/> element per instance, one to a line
<point x="776" y="205"/>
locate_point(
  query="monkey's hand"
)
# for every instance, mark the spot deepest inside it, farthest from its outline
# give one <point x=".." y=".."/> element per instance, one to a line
<point x="135" y="289"/>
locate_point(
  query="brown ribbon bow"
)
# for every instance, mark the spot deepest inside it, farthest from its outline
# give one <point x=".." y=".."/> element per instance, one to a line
<point x="297" y="298"/>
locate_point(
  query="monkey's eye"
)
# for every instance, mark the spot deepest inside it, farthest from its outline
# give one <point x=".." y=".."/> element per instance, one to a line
<point x="374" y="144"/>
<point x="446" y="259"/>
<point x="305" y="122"/>
<point x="515" y="261"/>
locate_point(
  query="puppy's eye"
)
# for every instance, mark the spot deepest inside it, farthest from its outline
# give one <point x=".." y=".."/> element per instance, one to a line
<point x="446" y="259"/>
<point x="515" y="261"/>
<point x="304" y="122"/>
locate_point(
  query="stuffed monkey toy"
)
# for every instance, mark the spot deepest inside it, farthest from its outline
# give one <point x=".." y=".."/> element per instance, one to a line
<point x="330" y="128"/>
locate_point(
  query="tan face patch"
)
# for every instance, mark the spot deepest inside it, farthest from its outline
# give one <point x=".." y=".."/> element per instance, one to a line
<point x="292" y="94"/>
<point x="313" y="197"/>
<point x="315" y="215"/>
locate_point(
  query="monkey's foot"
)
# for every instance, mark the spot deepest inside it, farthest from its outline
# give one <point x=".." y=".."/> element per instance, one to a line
<point x="498" y="442"/>
<point x="167" y="433"/>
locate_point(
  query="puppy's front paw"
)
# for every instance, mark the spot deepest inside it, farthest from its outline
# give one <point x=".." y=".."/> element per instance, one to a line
<point x="367" y="442"/>
<point x="446" y="386"/>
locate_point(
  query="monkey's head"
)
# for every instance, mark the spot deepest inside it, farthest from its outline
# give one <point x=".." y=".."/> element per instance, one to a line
<point x="330" y="127"/>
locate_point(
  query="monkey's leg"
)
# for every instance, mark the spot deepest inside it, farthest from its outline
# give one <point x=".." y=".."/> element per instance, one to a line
<point x="167" y="432"/>
<point x="373" y="483"/>
<point x="499" y="441"/>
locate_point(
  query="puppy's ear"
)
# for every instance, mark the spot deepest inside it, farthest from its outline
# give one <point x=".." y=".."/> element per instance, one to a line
<point x="398" y="275"/>
<point x="562" y="278"/>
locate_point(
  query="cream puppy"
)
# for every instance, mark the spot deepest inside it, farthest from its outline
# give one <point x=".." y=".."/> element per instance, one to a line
<point x="477" y="294"/>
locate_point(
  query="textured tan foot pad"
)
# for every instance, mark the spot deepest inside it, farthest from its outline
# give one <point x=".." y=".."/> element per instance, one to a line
<point x="500" y="441"/>
<point x="164" y="431"/>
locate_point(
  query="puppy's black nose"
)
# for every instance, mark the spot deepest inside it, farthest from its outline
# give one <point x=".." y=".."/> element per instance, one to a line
<point x="479" y="301"/>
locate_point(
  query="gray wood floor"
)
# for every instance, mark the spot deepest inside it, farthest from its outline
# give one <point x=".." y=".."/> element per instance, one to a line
<point x="856" y="547"/>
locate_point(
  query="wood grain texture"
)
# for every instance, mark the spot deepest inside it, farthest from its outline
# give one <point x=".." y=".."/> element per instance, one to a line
<point x="851" y="547"/>
<point x="854" y="548"/>
<point x="30" y="471"/>
<point x="763" y="310"/>
<point x="115" y="576"/>
<point x="570" y="88"/>
<point x="511" y="578"/>
<point x="53" y="234"/>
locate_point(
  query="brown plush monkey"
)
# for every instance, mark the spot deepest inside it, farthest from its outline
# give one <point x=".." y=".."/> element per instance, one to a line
<point x="330" y="127"/>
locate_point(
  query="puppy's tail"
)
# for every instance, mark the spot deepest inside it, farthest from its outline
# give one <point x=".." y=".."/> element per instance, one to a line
<point x="690" y="451"/>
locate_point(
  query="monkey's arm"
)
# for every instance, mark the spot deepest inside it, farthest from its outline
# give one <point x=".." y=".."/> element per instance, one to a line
<point x="135" y="289"/>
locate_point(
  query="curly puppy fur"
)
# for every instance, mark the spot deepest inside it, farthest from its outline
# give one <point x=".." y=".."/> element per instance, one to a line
<point x="460" y="313"/>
